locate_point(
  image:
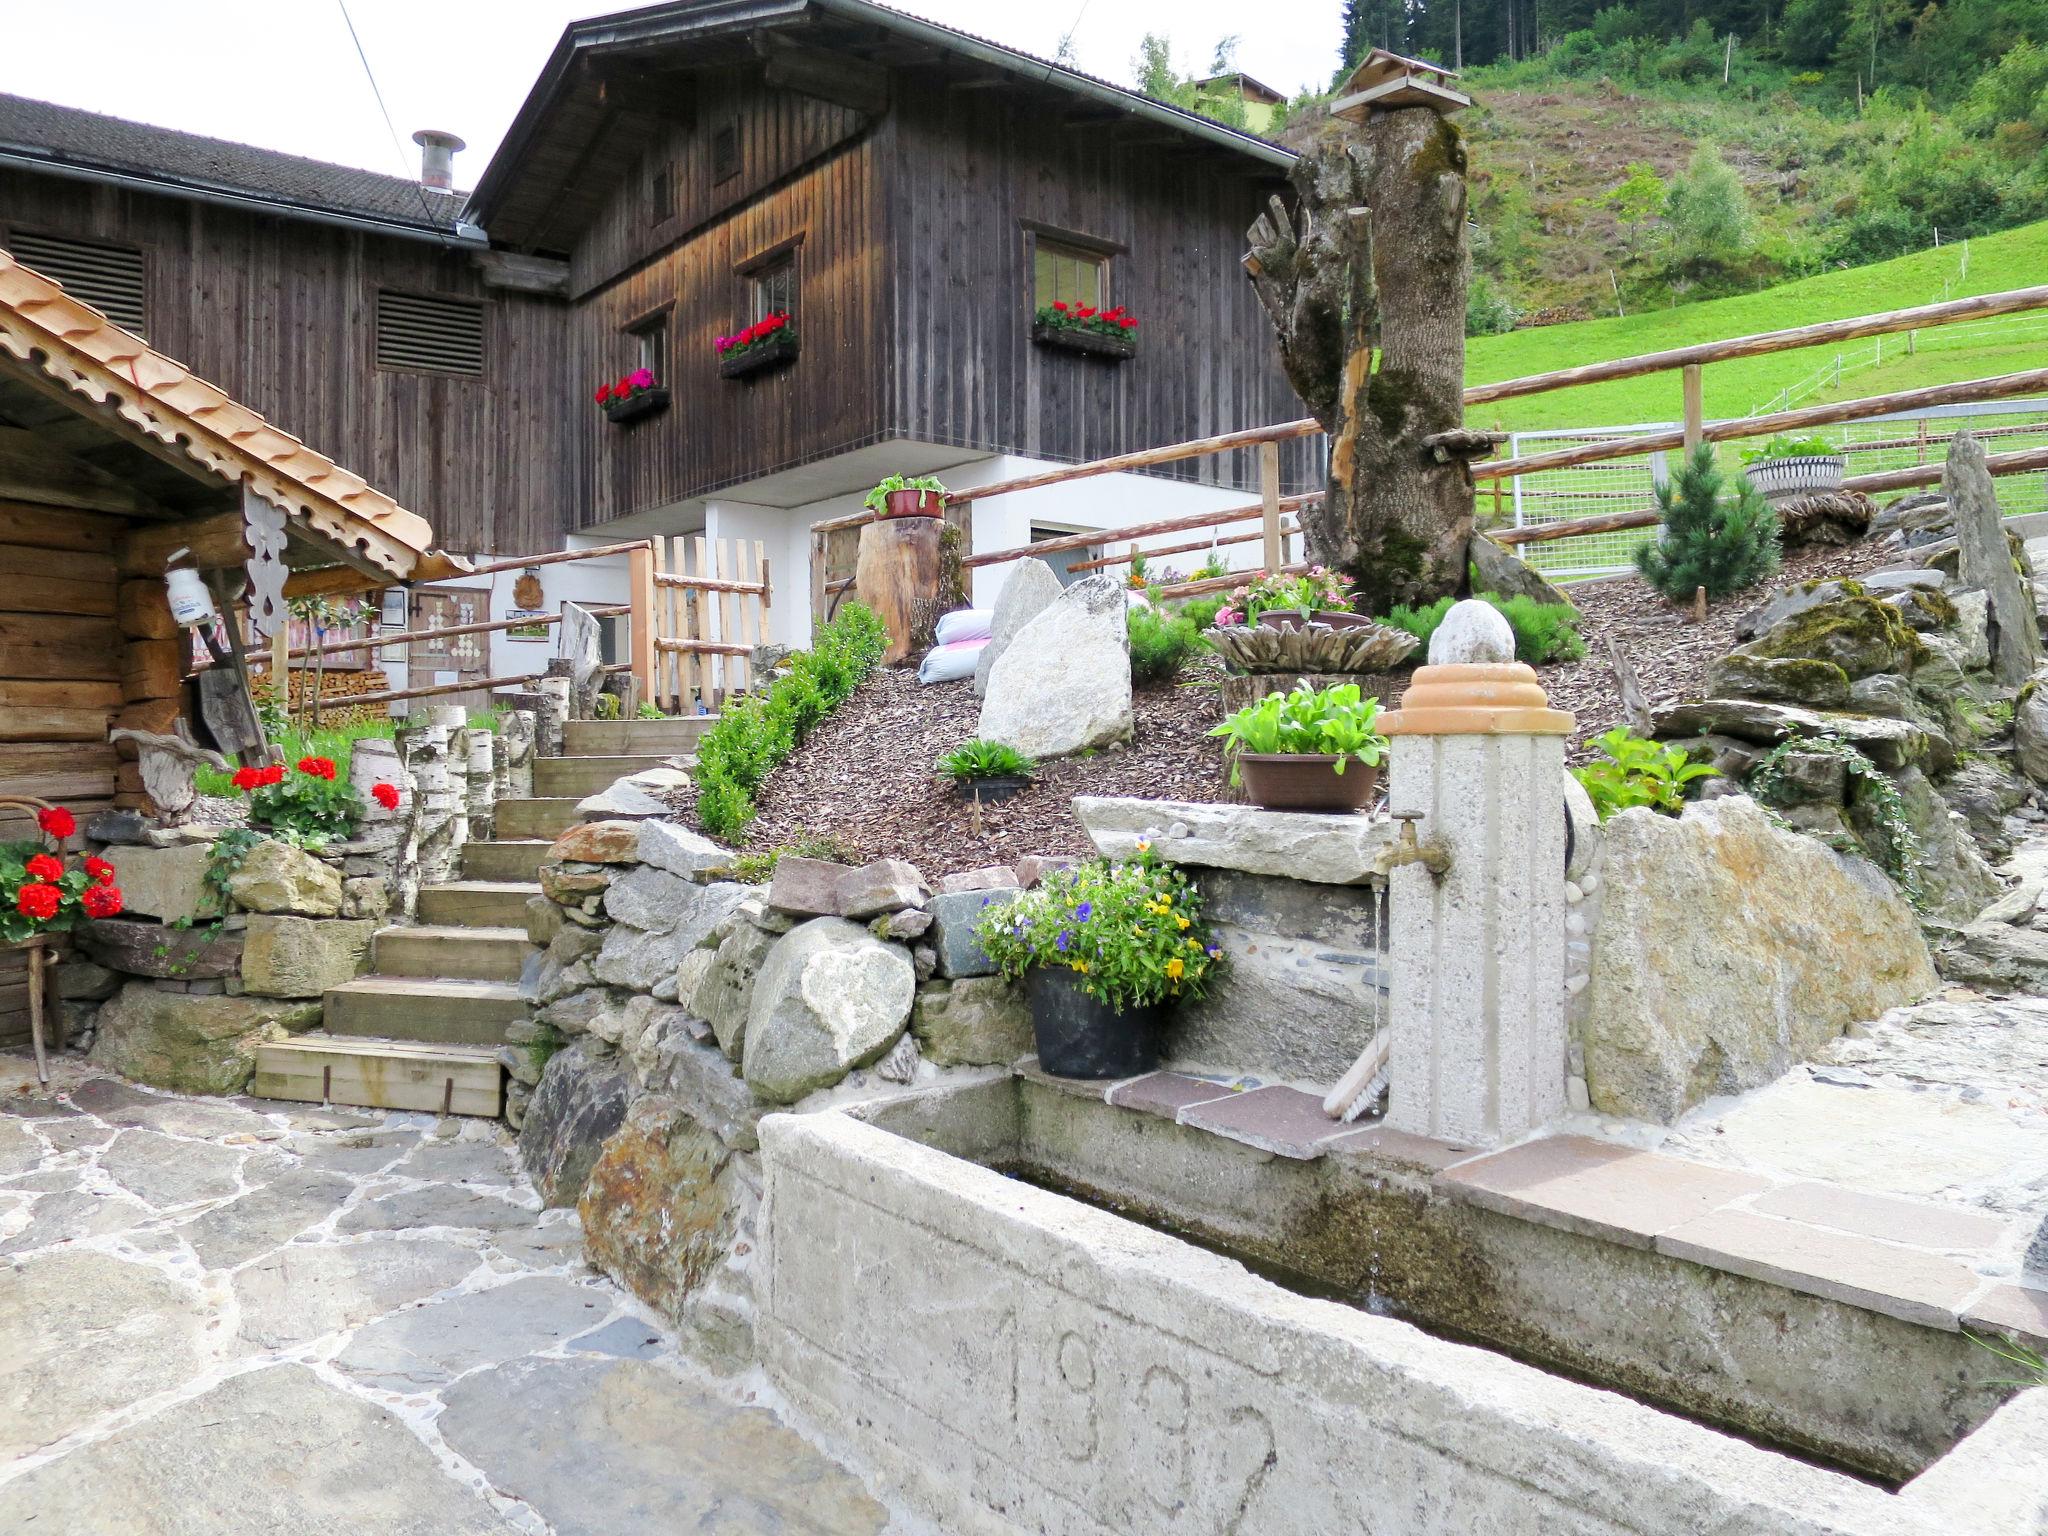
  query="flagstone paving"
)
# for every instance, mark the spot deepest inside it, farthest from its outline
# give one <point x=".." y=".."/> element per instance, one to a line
<point x="230" y="1317"/>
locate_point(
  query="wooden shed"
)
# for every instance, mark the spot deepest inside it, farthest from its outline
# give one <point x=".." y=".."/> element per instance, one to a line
<point x="111" y="457"/>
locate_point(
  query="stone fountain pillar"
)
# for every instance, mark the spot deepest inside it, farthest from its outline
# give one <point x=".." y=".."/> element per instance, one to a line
<point x="1477" y="890"/>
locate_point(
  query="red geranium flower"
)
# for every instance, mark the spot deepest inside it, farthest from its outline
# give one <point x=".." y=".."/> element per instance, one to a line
<point x="101" y="901"/>
<point x="1128" y="323"/>
<point x="43" y="867"/>
<point x="57" y="821"/>
<point x="385" y="795"/>
<point x="604" y="393"/>
<point x="317" y="767"/>
<point x="101" y="871"/>
<point x="247" y="778"/>
<point x="38" y="901"/>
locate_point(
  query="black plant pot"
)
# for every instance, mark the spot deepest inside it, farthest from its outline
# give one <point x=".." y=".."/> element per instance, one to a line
<point x="760" y="357"/>
<point x="648" y="402"/>
<point x="1079" y="1037"/>
<point x="993" y="787"/>
<point x="1095" y="343"/>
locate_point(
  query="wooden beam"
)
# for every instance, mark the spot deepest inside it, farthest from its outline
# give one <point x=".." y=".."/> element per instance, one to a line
<point x="34" y="470"/>
<point x="834" y="77"/>
<point x="216" y="542"/>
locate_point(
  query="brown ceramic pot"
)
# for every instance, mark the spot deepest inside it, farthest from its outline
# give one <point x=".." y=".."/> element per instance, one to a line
<point x="1306" y="781"/>
<point x="915" y="504"/>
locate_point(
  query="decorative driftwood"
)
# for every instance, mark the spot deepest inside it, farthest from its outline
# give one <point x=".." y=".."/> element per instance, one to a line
<point x="1825" y="517"/>
<point x="1312" y="647"/>
<point x="169" y="765"/>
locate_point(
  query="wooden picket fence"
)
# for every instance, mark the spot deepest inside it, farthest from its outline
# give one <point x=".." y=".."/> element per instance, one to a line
<point x="710" y="609"/>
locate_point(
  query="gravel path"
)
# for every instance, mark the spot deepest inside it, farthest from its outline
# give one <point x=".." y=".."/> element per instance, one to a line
<point x="240" y="1318"/>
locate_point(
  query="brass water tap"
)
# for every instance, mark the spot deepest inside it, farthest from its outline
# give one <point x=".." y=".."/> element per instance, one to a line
<point x="1411" y="849"/>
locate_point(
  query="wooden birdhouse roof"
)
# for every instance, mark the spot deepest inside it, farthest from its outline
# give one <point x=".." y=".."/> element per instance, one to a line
<point x="1387" y="80"/>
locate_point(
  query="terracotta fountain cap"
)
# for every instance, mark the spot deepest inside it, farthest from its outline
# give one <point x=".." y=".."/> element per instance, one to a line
<point x="1477" y="699"/>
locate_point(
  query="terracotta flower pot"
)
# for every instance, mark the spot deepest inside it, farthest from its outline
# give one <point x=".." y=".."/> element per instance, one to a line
<point x="1290" y="618"/>
<point x="914" y="504"/>
<point x="1306" y="781"/>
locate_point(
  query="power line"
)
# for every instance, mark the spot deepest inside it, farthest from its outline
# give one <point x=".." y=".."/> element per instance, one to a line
<point x="390" y="127"/>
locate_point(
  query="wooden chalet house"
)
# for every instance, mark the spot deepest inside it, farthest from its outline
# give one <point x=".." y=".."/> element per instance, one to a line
<point x="909" y="196"/>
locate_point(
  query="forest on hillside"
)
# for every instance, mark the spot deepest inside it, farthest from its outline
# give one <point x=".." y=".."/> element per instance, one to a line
<point x="1652" y="152"/>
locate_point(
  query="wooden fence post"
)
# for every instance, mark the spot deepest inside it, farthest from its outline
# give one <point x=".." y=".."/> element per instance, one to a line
<point x="1269" y="497"/>
<point x="1695" y="407"/>
<point x="640" y="587"/>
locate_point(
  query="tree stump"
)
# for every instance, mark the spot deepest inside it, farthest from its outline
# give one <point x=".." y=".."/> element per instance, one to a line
<point x="899" y="574"/>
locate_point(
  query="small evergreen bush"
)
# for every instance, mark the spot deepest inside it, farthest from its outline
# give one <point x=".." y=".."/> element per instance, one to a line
<point x="1161" y="644"/>
<point x="755" y="734"/>
<point x="1543" y="631"/>
<point x="1722" y="543"/>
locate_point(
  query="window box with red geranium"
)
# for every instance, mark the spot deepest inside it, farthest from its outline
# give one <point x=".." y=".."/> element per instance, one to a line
<point x="1105" y="333"/>
<point x="632" y="397"/>
<point x="768" y="343"/>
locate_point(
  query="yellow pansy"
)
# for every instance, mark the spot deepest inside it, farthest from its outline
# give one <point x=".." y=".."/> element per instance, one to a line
<point x="1183" y="923"/>
<point x="1175" y="967"/>
<point x="1081" y="966"/>
<point x="1194" y="943"/>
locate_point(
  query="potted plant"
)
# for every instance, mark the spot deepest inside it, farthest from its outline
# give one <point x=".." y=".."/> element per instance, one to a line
<point x="767" y="343"/>
<point x="924" y="496"/>
<point x="986" y="770"/>
<point x="307" y="807"/>
<point x="1107" y="333"/>
<point x="632" y="397"/>
<point x="1313" y="749"/>
<point x="39" y="894"/>
<point x="1287" y="601"/>
<point x="1794" y="466"/>
<point x="1104" y="951"/>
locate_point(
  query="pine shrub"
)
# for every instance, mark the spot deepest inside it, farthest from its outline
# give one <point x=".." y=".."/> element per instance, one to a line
<point x="1543" y="631"/>
<point x="1722" y="543"/>
<point x="1161" y="644"/>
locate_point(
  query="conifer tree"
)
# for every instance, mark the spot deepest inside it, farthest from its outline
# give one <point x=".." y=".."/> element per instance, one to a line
<point x="1722" y="543"/>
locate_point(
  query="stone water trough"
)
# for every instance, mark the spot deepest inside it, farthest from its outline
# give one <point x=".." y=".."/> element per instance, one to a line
<point x="1048" y="1365"/>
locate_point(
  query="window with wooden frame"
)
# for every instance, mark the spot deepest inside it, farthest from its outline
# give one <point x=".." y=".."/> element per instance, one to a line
<point x="772" y="287"/>
<point x="725" y="151"/>
<point x="661" y="194"/>
<point x="1062" y="273"/>
<point x="650" y="342"/>
<point x="108" y="277"/>
<point x="426" y="333"/>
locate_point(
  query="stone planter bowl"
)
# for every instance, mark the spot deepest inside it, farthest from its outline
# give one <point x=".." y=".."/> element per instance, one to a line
<point x="1359" y="645"/>
<point x="1306" y="781"/>
<point x="1803" y="475"/>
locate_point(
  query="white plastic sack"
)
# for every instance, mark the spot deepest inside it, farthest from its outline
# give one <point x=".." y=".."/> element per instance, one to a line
<point x="950" y="663"/>
<point x="965" y="624"/>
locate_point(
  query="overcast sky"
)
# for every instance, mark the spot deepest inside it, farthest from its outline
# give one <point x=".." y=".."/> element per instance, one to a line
<point x="283" y="73"/>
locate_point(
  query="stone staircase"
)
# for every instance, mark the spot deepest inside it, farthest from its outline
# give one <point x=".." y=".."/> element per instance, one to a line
<point x="422" y="1031"/>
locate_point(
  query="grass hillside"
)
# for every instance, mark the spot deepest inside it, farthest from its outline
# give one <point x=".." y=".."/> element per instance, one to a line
<point x="2015" y="258"/>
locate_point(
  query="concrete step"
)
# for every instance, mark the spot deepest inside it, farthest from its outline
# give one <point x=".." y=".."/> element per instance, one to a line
<point x="514" y="859"/>
<point x="589" y="738"/>
<point x="431" y="1010"/>
<point x="580" y="776"/>
<point x="547" y="817"/>
<point x="469" y="954"/>
<point x="381" y="1074"/>
<point x="477" y="903"/>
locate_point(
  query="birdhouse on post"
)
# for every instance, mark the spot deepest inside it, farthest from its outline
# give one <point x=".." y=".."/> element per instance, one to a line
<point x="1387" y="80"/>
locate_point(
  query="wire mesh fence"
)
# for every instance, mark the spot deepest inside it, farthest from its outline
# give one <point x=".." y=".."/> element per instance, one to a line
<point x="1630" y="485"/>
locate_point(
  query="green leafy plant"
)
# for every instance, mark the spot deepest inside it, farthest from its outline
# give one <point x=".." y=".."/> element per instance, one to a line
<point x="309" y="806"/>
<point x="1161" y="643"/>
<point x="649" y="710"/>
<point x="2029" y="1362"/>
<point x="877" y="500"/>
<point x="1721" y="543"/>
<point x="1870" y="786"/>
<point x="758" y="868"/>
<point x="1544" y="632"/>
<point x="39" y="894"/>
<point x="1131" y="933"/>
<point x="1783" y="447"/>
<point x="1317" y="589"/>
<point x="1332" y="721"/>
<point x="1634" y="772"/>
<point x="756" y="733"/>
<point x="1202" y="611"/>
<point x="607" y="706"/>
<point x="979" y="759"/>
<point x="336" y="743"/>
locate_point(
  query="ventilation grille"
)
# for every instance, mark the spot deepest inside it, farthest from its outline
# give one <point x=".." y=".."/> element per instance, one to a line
<point x="108" y="277"/>
<point x="420" y="334"/>
<point x="725" y="153"/>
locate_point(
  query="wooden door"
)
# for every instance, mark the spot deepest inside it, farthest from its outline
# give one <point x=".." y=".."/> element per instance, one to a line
<point x="460" y="659"/>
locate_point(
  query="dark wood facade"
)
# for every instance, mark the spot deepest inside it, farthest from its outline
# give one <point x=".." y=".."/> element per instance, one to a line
<point x="281" y="313"/>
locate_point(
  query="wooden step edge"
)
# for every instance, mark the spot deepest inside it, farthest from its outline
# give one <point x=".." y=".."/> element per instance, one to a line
<point x="380" y="1046"/>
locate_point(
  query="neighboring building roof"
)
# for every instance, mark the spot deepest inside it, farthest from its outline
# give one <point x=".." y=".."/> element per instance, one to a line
<point x="862" y="23"/>
<point x="1245" y="85"/>
<point x="90" y="144"/>
<point x="82" y="349"/>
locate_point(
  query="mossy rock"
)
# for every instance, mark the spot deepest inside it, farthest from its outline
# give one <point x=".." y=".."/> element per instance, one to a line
<point x="1860" y="635"/>
<point x="1924" y="609"/>
<point x="1786" y="680"/>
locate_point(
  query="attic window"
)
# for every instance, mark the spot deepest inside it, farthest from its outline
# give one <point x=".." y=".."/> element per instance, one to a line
<point x="422" y="333"/>
<point x="108" y="277"/>
<point x="772" y="287"/>
<point x="725" y="152"/>
<point x="661" y="195"/>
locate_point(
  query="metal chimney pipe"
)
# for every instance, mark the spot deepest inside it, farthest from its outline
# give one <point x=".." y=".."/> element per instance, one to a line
<point x="437" y="158"/>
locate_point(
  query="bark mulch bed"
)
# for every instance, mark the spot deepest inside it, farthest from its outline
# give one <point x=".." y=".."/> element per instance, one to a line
<point x="866" y="779"/>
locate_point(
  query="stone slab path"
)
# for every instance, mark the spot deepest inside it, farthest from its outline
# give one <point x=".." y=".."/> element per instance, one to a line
<point x="221" y="1317"/>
